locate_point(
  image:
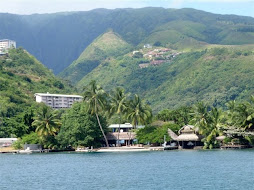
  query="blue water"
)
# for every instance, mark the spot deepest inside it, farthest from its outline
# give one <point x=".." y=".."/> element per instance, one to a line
<point x="188" y="170"/>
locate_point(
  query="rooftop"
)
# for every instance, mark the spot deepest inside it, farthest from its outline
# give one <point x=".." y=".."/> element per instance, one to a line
<point x="188" y="137"/>
<point x="58" y="95"/>
<point x="186" y="129"/>
<point x="126" y="125"/>
<point x="3" y="40"/>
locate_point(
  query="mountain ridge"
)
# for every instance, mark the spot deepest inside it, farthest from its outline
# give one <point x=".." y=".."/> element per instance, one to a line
<point x="58" y="39"/>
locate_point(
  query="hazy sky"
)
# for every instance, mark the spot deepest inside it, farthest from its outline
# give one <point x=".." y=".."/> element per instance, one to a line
<point x="239" y="7"/>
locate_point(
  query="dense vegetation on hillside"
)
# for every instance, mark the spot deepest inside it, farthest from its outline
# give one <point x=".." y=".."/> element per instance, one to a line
<point x="21" y="75"/>
<point x="58" y="39"/>
<point x="215" y="76"/>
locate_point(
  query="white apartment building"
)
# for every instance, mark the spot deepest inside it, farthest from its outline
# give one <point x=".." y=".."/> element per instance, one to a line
<point x="6" y="44"/>
<point x="57" y="101"/>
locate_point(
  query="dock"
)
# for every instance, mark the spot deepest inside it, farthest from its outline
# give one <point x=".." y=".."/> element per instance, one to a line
<point x="161" y="148"/>
<point x="234" y="147"/>
<point x="10" y="150"/>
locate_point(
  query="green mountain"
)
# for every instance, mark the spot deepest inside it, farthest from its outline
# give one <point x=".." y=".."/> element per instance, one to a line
<point x="200" y="56"/>
<point x="104" y="48"/>
<point x="21" y="75"/>
<point x="216" y="76"/>
<point x="58" y="39"/>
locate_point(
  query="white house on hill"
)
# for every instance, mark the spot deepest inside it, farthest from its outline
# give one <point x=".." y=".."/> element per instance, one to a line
<point x="57" y="100"/>
<point x="6" y="44"/>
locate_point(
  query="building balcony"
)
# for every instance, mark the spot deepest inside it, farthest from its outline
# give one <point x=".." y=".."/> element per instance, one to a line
<point x="122" y="136"/>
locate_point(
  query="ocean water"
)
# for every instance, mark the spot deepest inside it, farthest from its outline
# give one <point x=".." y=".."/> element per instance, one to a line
<point x="187" y="170"/>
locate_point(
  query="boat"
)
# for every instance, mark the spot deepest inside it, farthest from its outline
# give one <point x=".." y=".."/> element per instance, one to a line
<point x="83" y="150"/>
<point x="29" y="151"/>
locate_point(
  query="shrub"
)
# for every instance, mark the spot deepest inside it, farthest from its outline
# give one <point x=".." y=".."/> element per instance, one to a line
<point x="17" y="144"/>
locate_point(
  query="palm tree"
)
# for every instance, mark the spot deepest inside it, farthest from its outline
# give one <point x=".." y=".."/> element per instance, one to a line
<point x="215" y="127"/>
<point x="201" y="117"/>
<point x="241" y="115"/>
<point x="244" y="116"/>
<point x="138" y="112"/>
<point x="46" y="122"/>
<point x="96" y="98"/>
<point x="118" y="105"/>
<point x="207" y="123"/>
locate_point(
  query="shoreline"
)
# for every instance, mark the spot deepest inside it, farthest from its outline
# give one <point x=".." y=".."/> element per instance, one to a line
<point x="113" y="149"/>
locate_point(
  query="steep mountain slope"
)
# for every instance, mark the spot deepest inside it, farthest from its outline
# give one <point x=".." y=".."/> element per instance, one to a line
<point x="21" y="75"/>
<point x="58" y="39"/>
<point x="103" y="48"/>
<point x="216" y="76"/>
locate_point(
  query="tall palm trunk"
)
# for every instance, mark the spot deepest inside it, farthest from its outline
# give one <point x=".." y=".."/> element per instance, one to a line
<point x="118" y="142"/>
<point x="106" y="140"/>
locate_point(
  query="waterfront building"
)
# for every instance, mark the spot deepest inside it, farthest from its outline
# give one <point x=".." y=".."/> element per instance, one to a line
<point x="6" y="44"/>
<point x="188" y="137"/>
<point x="6" y="142"/>
<point x="57" y="101"/>
<point x="125" y="133"/>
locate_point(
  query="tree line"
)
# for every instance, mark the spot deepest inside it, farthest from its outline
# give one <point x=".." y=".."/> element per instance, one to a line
<point x="85" y="123"/>
<point x="236" y="122"/>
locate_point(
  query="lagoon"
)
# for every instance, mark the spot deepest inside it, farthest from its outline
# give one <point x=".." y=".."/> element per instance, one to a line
<point x="188" y="169"/>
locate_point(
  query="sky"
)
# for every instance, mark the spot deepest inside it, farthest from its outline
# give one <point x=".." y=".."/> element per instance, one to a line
<point x="238" y="7"/>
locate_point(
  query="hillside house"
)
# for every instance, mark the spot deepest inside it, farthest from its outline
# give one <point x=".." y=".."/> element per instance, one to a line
<point x="6" y="44"/>
<point x="149" y="46"/>
<point x="143" y="65"/>
<point x="157" y="62"/>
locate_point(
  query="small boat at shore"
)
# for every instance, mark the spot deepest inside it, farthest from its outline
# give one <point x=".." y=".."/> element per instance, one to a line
<point x="25" y="152"/>
<point x="29" y="151"/>
<point x="84" y="150"/>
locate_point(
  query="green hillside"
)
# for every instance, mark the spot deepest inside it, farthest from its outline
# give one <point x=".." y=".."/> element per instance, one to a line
<point x="104" y="48"/>
<point x="21" y="75"/>
<point x="58" y="39"/>
<point x="215" y="76"/>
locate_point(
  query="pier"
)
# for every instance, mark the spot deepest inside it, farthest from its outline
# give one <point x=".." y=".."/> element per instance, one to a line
<point x="234" y="147"/>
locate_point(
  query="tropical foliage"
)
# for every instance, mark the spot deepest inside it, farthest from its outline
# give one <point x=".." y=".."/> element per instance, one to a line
<point x="215" y="75"/>
<point x="79" y="128"/>
<point x="47" y="122"/>
<point x="155" y="134"/>
<point x="96" y="98"/>
<point x="235" y="124"/>
<point x="21" y="75"/>
<point x="138" y="111"/>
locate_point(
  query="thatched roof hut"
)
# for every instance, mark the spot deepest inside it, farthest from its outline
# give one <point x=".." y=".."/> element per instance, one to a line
<point x="188" y="137"/>
<point x="172" y="135"/>
<point x="188" y="133"/>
